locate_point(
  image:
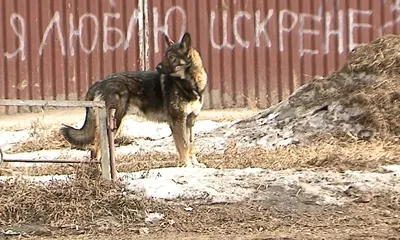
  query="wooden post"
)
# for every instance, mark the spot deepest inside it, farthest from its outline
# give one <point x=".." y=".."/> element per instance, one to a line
<point x="104" y="146"/>
<point x="1" y="157"/>
<point x="110" y="132"/>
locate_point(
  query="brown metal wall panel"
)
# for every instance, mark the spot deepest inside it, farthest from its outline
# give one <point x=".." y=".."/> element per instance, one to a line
<point x="59" y="69"/>
<point x="294" y="54"/>
<point x="215" y="63"/>
<point x="287" y="21"/>
<point x="273" y="51"/>
<point x="55" y="49"/>
<point x="156" y="42"/>
<point x="247" y="27"/>
<point x="256" y="52"/>
<point x="203" y="44"/>
<point x="260" y="57"/>
<point x="10" y="46"/>
<point x="3" y="61"/>
<point x="131" y="58"/>
<point x="317" y="24"/>
<point x="250" y="61"/>
<point x="305" y="45"/>
<point x="344" y="33"/>
<point x="49" y="45"/>
<point x="332" y="43"/>
<point x="73" y="65"/>
<point x="108" y="19"/>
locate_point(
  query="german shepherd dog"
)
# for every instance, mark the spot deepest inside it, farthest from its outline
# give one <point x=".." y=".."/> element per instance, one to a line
<point x="173" y="93"/>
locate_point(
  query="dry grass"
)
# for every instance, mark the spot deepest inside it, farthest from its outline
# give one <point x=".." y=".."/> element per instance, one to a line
<point x="43" y="137"/>
<point x="329" y="153"/>
<point x="47" y="137"/>
<point x="288" y="217"/>
<point x="369" y="83"/>
<point x="381" y="56"/>
<point x="337" y="154"/>
<point x="84" y="201"/>
<point x="381" y="107"/>
<point x="39" y="170"/>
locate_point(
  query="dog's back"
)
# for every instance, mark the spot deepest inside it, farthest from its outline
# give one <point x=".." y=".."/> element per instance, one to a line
<point x="135" y="92"/>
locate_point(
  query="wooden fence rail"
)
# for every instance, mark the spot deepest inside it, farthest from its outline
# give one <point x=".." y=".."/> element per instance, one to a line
<point x="107" y="151"/>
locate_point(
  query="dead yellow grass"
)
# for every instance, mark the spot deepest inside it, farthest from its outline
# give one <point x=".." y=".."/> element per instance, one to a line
<point x="336" y="153"/>
<point x="368" y="84"/>
<point x="380" y="56"/>
<point x="43" y="137"/>
<point x="381" y="100"/>
<point x="82" y="201"/>
<point x="329" y="155"/>
<point x="325" y="154"/>
<point x="40" y="170"/>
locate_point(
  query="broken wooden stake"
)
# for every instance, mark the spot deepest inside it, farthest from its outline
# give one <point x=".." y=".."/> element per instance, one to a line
<point x="104" y="144"/>
<point x="110" y="132"/>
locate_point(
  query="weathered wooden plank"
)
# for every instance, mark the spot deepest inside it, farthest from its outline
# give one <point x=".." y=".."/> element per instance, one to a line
<point x="51" y="103"/>
<point x="48" y="161"/>
<point x="104" y="146"/>
<point x="110" y="132"/>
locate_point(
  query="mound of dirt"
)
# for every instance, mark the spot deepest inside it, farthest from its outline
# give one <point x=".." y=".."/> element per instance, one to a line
<point x="359" y="101"/>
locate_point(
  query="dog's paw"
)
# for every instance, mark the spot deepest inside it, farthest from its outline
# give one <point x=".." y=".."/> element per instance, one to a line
<point x="196" y="163"/>
<point x="188" y="164"/>
<point x="199" y="165"/>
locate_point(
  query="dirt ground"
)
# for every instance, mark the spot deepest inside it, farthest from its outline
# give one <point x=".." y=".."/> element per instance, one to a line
<point x="285" y="214"/>
<point x="284" y="217"/>
<point x="271" y="220"/>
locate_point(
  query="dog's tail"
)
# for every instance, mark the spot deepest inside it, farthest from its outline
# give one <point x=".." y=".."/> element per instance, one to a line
<point x="86" y="134"/>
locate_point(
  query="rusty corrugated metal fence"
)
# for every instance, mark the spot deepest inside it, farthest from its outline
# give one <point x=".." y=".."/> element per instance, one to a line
<point x="256" y="52"/>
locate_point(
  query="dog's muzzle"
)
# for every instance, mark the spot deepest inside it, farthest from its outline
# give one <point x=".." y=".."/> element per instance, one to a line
<point x="160" y="68"/>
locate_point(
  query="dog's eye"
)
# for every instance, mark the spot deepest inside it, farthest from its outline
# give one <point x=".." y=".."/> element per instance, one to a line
<point x="177" y="68"/>
<point x="171" y="57"/>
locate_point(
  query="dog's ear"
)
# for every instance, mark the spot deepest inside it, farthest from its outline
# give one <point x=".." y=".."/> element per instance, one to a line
<point x="186" y="41"/>
<point x="168" y="40"/>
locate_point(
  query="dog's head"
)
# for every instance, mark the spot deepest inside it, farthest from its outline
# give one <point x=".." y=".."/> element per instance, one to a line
<point x="176" y="59"/>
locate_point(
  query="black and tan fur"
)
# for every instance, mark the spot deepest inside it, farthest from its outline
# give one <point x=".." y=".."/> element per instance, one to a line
<point x="172" y="94"/>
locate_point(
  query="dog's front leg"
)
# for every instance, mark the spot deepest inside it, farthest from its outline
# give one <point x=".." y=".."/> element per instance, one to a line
<point x="192" y="146"/>
<point x="179" y="133"/>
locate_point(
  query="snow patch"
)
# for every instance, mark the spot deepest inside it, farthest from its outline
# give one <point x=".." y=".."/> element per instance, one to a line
<point x="209" y="186"/>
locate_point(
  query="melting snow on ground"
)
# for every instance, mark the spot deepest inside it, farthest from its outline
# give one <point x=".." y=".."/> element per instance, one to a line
<point x="149" y="137"/>
<point x="209" y="185"/>
<point x="213" y="185"/>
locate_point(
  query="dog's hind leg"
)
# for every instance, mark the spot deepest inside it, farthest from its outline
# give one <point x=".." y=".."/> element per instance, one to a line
<point x="191" y="119"/>
<point x="119" y="102"/>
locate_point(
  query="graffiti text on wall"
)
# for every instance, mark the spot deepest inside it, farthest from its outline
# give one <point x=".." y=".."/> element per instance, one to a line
<point x="70" y="40"/>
